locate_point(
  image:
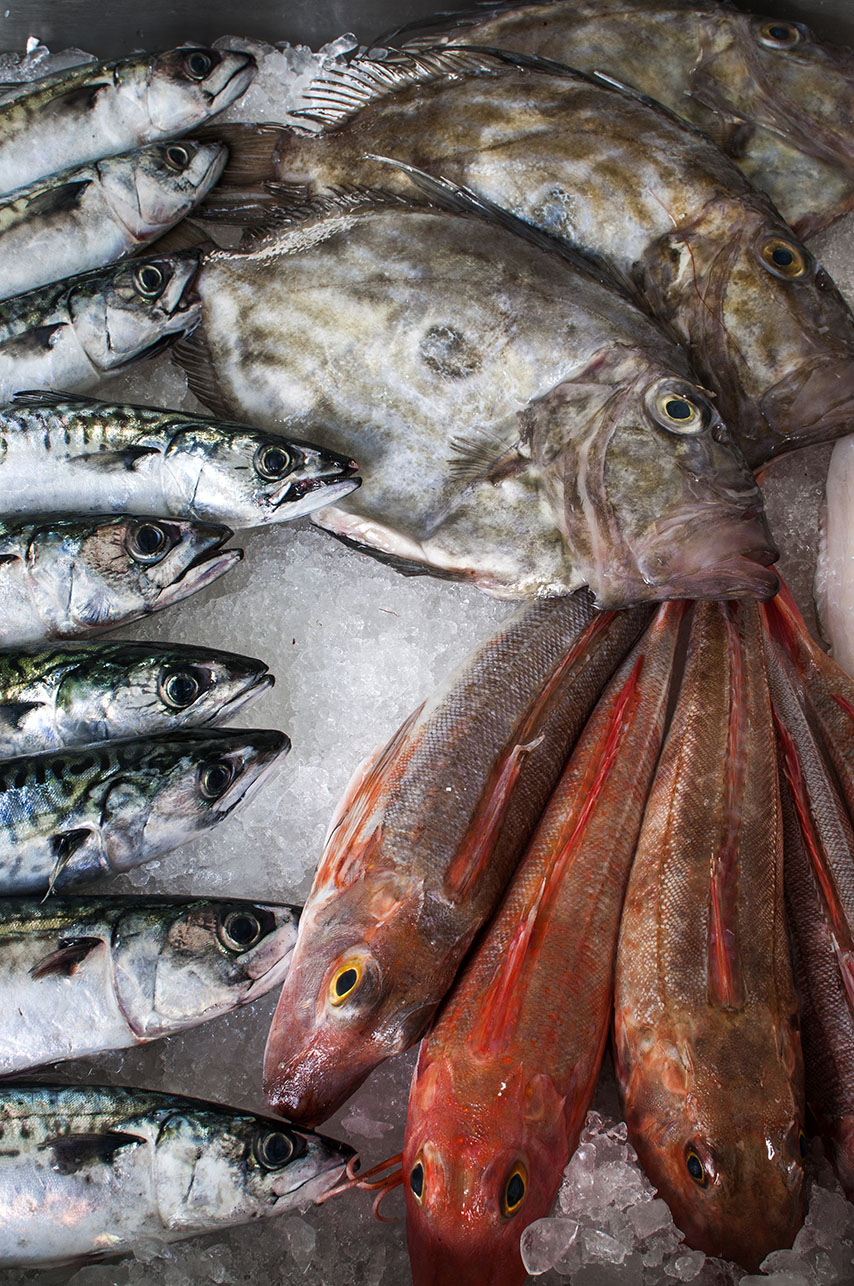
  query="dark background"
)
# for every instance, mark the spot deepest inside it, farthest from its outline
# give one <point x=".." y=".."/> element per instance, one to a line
<point x="110" y="28"/>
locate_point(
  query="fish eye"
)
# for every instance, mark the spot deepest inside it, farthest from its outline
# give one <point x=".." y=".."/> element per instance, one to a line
<point x="779" y="35"/>
<point x="783" y="258"/>
<point x="514" y="1191"/>
<point x="240" y="930"/>
<point x="416" y="1181"/>
<point x="272" y="462"/>
<point x="148" y="279"/>
<point x="147" y="542"/>
<point x="695" y="1167"/>
<point x="180" y="688"/>
<point x="215" y="778"/>
<point x="678" y="412"/>
<point x="272" y="1149"/>
<point x="176" y="157"/>
<point x="197" y="64"/>
<point x="344" y="982"/>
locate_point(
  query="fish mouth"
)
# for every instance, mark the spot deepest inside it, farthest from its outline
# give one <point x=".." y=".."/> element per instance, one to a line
<point x="203" y="571"/>
<point x="305" y="496"/>
<point x="814" y="404"/>
<point x="238" y="82"/>
<point x="289" y="1095"/>
<point x="740" y="576"/>
<point x="317" y="1185"/>
<point x="255" y="687"/>
<point x="264" y="759"/>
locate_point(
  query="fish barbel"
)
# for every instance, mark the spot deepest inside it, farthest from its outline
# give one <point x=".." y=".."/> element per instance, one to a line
<point x="779" y="101"/>
<point x="520" y="426"/>
<point x="82" y="976"/>
<point x="96" y="214"/>
<point x="75" y="814"/>
<point x="76" y="694"/>
<point x="92" y="1171"/>
<point x="100" y="109"/>
<point x="505" y="1077"/>
<point x="61" y="578"/>
<point x="423" y="844"/>
<point x="66" y="455"/>
<point x="706" y="1035"/>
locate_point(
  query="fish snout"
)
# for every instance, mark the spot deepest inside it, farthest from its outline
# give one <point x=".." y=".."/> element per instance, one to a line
<point x="814" y="404"/>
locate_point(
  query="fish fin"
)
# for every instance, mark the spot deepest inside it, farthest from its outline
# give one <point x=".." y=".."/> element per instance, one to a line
<point x="186" y="235"/>
<point x="622" y="87"/>
<point x="74" y="1152"/>
<point x="66" y="958"/>
<point x="55" y="200"/>
<point x="124" y="461"/>
<point x="63" y="846"/>
<point x="487" y="456"/>
<point x="47" y="397"/>
<point x="251" y="150"/>
<point x="79" y="97"/>
<point x="13" y="713"/>
<point x="192" y="355"/>
<point x="406" y="566"/>
<point x="444" y="23"/>
<point x="40" y="339"/>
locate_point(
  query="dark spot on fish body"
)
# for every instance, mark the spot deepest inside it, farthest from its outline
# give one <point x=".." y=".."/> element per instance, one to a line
<point x="447" y="352"/>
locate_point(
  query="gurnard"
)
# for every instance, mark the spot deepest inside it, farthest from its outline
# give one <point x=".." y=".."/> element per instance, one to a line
<point x="82" y="976"/>
<point x="520" y="426"/>
<point x="76" y="814"/>
<point x="89" y="1172"/>
<point x="505" y="1077"/>
<point x="423" y="844"/>
<point x="77" y="694"/>
<point x="61" y="454"/>
<point x="707" y="1050"/>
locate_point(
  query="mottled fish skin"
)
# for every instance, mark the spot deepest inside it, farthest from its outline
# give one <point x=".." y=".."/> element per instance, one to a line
<point x="706" y="1034"/>
<point x="65" y="578"/>
<point x="79" y="976"/>
<point x="506" y="1076"/>
<point x="69" y="455"/>
<point x="105" y="108"/>
<point x="78" y="814"/>
<point x="77" y="694"/>
<point x="69" y="336"/>
<point x="779" y="101"/>
<point x="423" y="844"/>
<point x="625" y="181"/>
<point x="96" y="214"/>
<point x="509" y="412"/>
<point x="92" y="1171"/>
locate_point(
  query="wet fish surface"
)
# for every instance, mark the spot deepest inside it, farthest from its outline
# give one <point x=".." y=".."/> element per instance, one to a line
<point x="79" y="976"/>
<point x="93" y="1171"/>
<point x="66" y="454"/>
<point x="63" y="578"/>
<point x="77" y="814"/>
<point x="101" y="109"/>
<point x="521" y="427"/>
<point x="423" y="844"/>
<point x="76" y="694"/>
<point x="84" y="218"/>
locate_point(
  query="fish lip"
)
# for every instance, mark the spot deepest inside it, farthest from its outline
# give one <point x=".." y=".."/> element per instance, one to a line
<point x="248" y="68"/>
<point x="203" y="571"/>
<point x="739" y="576"/>
<point x="317" y="1184"/>
<point x="240" y="792"/>
<point x="254" y="687"/>
<point x="331" y="489"/>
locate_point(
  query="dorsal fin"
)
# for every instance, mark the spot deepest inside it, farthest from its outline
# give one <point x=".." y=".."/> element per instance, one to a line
<point x="445" y="23"/>
<point x="49" y="397"/>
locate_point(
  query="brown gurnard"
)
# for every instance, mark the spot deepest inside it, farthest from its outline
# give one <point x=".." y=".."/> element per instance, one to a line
<point x="505" y="1077"/>
<point x="776" y="99"/>
<point x="706" y="1041"/>
<point x="623" y="180"/>
<point x="423" y="844"/>
<point x="518" y="425"/>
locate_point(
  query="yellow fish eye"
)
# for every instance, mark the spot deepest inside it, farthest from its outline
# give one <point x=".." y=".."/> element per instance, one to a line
<point x="695" y="1167"/>
<point x="779" y="35"/>
<point x="678" y="413"/>
<point x="514" y="1190"/>
<point x="416" y="1182"/>
<point x="783" y="258"/>
<point x="344" y="982"/>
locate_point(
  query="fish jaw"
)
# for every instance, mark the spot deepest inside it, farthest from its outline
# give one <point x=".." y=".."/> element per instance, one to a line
<point x="177" y="99"/>
<point x="814" y="404"/>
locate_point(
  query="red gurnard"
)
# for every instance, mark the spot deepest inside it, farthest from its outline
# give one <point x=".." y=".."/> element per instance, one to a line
<point x="423" y="844"/>
<point x="706" y="1043"/>
<point x="505" y="1078"/>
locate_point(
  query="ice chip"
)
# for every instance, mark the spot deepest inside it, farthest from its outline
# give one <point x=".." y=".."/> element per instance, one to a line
<point x="545" y="1241"/>
<point x="650" y="1216"/>
<point x="602" y="1246"/>
<point x="687" y="1266"/>
<point x="301" y="1240"/>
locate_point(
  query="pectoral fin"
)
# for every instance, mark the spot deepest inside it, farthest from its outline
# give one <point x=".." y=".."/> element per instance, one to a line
<point x="75" y="1152"/>
<point x="66" y="958"/>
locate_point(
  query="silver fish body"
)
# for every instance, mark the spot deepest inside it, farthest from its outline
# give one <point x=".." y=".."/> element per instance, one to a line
<point x="72" y="334"/>
<point x="92" y="1171"/>
<point x="81" y="219"/>
<point x="101" y="109"/>
<point x="63" y="578"/>
<point x="76" y="814"/>
<point x="69" y="455"/>
<point x="80" y="976"/>
<point x="77" y="694"/>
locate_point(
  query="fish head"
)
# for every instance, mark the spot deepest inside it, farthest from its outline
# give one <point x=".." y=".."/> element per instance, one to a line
<point x="174" y="966"/>
<point x="190" y="84"/>
<point x="252" y="476"/>
<point x="763" y="324"/>
<point x="214" y="1168"/>
<point x="648" y="490"/>
<point x="478" y="1167"/>
<point x="125" y="313"/>
<point x="150" y="190"/>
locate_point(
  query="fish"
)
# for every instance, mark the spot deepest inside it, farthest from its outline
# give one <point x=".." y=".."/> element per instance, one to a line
<point x="423" y="843"/>
<point x="84" y="975"/>
<point x="93" y="215"/>
<point x="63" y="578"/>
<point x="70" y="335"/>
<point x="507" y="1073"/>
<point x="90" y="1171"/>
<point x="85" y="113"/>
<point x="77" y="694"/>
<point x="774" y="97"/>
<point x="423" y="341"/>
<point x="706" y="1043"/>
<point x="77" y="814"/>
<point x="647" y="197"/>
<point x="68" y="455"/>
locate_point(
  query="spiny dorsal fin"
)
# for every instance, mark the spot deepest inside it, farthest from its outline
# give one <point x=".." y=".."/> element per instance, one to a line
<point x="439" y="27"/>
